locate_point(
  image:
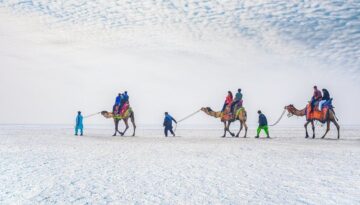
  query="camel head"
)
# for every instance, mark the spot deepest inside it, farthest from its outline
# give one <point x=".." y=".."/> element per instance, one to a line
<point x="205" y="109"/>
<point x="293" y="111"/>
<point x="106" y="114"/>
<point x="211" y="112"/>
<point x="290" y="108"/>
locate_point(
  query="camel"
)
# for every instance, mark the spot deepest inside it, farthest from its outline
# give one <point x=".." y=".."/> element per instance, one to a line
<point x="330" y="117"/>
<point x="227" y="120"/>
<point x="129" y="114"/>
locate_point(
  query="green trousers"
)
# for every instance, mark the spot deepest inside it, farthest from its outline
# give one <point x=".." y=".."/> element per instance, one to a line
<point x="265" y="128"/>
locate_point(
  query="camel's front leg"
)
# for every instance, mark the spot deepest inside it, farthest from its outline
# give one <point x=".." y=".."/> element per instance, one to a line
<point x="327" y="129"/>
<point x="224" y="130"/>
<point x="116" y="123"/>
<point x="313" y="128"/>
<point x="126" y="127"/>
<point x="228" y="129"/>
<point x="306" y="131"/>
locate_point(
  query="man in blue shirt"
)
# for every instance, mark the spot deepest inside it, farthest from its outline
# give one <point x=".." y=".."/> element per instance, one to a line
<point x="168" y="124"/>
<point x="263" y="125"/>
<point x="79" y="124"/>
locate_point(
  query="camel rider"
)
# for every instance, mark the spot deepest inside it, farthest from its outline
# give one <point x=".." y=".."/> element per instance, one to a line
<point x="124" y="103"/>
<point x="325" y="98"/>
<point x="118" y="99"/>
<point x="79" y="124"/>
<point x="228" y="101"/>
<point x="117" y="104"/>
<point x="125" y="97"/>
<point x="237" y="100"/>
<point x="263" y="125"/>
<point x="168" y="124"/>
<point x="316" y="97"/>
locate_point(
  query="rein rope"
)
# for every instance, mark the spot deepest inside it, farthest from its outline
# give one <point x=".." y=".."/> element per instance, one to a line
<point x="87" y="116"/>
<point x="187" y="117"/>
<point x="282" y="115"/>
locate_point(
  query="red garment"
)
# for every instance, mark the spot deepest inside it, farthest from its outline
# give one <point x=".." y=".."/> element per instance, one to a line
<point x="228" y="100"/>
<point x="317" y="94"/>
<point x="124" y="108"/>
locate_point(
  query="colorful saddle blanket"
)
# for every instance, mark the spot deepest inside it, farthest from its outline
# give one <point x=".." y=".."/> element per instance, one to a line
<point x="228" y="116"/>
<point x="124" y="114"/>
<point x="316" y="114"/>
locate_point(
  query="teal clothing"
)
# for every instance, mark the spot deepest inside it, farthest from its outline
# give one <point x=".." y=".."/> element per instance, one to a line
<point x="79" y="124"/>
<point x="238" y="96"/>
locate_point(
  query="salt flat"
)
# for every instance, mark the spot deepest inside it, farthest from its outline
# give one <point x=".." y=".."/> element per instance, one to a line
<point x="47" y="164"/>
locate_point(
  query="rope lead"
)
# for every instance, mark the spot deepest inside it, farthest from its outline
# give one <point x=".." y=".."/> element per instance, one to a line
<point x="282" y="115"/>
<point x="87" y="116"/>
<point x="187" y="117"/>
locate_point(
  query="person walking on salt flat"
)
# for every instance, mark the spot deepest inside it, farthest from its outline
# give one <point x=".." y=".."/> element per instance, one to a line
<point x="79" y="124"/>
<point x="168" y="124"/>
<point x="263" y="125"/>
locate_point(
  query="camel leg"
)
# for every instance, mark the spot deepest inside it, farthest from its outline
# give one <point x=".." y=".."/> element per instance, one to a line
<point x="133" y="123"/>
<point x="327" y="129"/>
<point x="116" y="123"/>
<point x="224" y="129"/>
<point x="246" y="128"/>
<point x="313" y="128"/>
<point x="126" y="127"/>
<point x="337" y="127"/>
<point x="228" y="129"/>
<point x="241" y="127"/>
<point x="306" y="131"/>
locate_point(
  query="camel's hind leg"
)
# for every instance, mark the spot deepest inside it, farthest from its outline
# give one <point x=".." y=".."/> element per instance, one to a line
<point x="337" y="127"/>
<point x="246" y="128"/>
<point x="132" y="118"/>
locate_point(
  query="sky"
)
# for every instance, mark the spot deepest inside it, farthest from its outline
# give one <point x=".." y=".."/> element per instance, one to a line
<point x="58" y="57"/>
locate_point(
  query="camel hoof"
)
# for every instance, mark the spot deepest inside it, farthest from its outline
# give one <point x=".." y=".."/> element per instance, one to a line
<point x="121" y="133"/>
<point x="306" y="136"/>
<point x="223" y="136"/>
<point x="237" y="136"/>
<point x="313" y="137"/>
<point x="322" y="137"/>
<point x="245" y="136"/>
